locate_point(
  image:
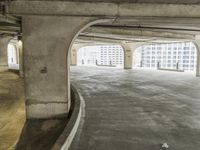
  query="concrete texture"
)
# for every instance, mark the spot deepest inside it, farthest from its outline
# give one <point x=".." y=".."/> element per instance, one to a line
<point x="137" y="109"/>
<point x="101" y="9"/>
<point x="129" y="49"/>
<point x="46" y="63"/>
<point x="12" y="109"/>
<point x="40" y="134"/>
<point x="73" y="57"/>
<point x="15" y="133"/>
<point x="135" y="1"/>
<point x="197" y="44"/>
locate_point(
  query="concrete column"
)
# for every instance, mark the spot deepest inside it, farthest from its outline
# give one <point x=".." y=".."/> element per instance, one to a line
<point x="197" y="43"/>
<point x="129" y="48"/>
<point x="20" y="58"/>
<point x="3" y="52"/>
<point x="128" y="56"/>
<point x="73" y="60"/>
<point x="198" y="65"/>
<point x="46" y="43"/>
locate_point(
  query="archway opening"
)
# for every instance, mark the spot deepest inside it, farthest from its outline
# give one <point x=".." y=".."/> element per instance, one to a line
<point x="101" y="55"/>
<point x="13" y="55"/>
<point x="180" y="56"/>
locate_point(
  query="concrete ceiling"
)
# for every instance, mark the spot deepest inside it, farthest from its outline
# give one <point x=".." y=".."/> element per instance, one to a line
<point x="131" y="1"/>
<point x="131" y="29"/>
<point x="9" y="25"/>
<point x="148" y="30"/>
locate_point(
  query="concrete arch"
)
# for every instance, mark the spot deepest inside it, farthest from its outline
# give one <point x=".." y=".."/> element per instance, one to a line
<point x="197" y="45"/>
<point x="180" y="42"/>
<point x="90" y="22"/>
<point x="129" y="48"/>
<point x="87" y="25"/>
<point x="3" y="52"/>
<point x="46" y="62"/>
<point x="13" y="54"/>
<point x="134" y="54"/>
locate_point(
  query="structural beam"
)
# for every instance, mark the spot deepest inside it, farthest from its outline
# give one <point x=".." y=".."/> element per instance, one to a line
<point x="133" y="32"/>
<point x="24" y="7"/>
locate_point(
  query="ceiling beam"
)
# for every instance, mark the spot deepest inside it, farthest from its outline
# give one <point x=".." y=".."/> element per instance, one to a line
<point x="120" y="40"/>
<point x="136" y="33"/>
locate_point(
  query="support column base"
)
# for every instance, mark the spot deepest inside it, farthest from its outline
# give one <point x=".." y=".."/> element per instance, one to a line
<point x="47" y="110"/>
<point x="127" y="68"/>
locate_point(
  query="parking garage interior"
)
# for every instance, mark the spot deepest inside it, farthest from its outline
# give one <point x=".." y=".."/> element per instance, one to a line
<point x="93" y="75"/>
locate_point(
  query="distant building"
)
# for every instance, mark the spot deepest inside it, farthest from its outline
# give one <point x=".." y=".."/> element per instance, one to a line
<point x="169" y="56"/>
<point x="101" y="55"/>
<point x="111" y="55"/>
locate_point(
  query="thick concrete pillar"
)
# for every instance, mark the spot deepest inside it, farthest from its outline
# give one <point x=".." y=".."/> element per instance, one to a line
<point x="73" y="60"/>
<point x="129" y="48"/>
<point x="128" y="56"/>
<point x="197" y="43"/>
<point x="20" y="58"/>
<point x="3" y="52"/>
<point x="46" y="43"/>
<point x="198" y="64"/>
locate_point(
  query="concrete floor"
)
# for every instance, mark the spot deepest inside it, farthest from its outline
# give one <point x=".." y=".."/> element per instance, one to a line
<point x="15" y="131"/>
<point x="40" y="134"/>
<point x="137" y="109"/>
<point x="12" y="109"/>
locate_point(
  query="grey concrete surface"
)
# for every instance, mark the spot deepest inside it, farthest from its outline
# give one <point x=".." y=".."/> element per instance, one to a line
<point x="46" y="63"/>
<point x="137" y="109"/>
<point x="12" y="109"/>
<point x="40" y="134"/>
<point x="135" y="1"/>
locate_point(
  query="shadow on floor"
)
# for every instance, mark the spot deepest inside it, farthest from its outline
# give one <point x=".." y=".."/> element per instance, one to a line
<point x="40" y="134"/>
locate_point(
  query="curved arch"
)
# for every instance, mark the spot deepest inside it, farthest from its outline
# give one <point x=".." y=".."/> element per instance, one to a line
<point x="134" y="56"/>
<point x="197" y="45"/>
<point x="183" y="64"/>
<point x="92" y="22"/>
<point x="128" y="53"/>
<point x="3" y="52"/>
<point x="13" y="55"/>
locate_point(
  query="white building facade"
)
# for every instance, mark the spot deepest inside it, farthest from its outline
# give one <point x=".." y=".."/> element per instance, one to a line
<point x="105" y="55"/>
<point x="172" y="56"/>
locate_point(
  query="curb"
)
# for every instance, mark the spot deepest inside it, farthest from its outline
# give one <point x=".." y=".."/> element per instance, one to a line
<point x="65" y="139"/>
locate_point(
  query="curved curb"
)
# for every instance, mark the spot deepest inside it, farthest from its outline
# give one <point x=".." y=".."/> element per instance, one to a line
<point x="65" y="139"/>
